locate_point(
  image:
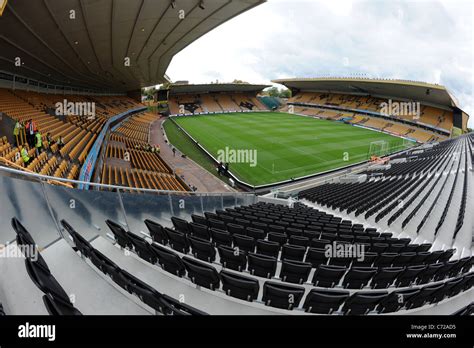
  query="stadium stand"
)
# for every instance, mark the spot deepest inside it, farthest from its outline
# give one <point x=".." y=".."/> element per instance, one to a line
<point x="132" y="162"/>
<point x="404" y="195"/>
<point x="416" y="120"/>
<point x="214" y="98"/>
<point x="78" y="133"/>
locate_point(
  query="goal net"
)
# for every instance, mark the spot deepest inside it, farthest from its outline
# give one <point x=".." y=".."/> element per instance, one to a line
<point x="378" y="149"/>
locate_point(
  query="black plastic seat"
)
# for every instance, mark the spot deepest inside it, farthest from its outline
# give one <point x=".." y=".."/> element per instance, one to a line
<point x="292" y="252"/>
<point x="327" y="276"/>
<point x="320" y="243"/>
<point x="363" y="302"/>
<point x="81" y="243"/>
<point x="316" y="257"/>
<point x="220" y="225"/>
<point x="276" y="229"/>
<point x="367" y="260"/>
<point x="427" y="275"/>
<point x="282" y="296"/>
<point x="58" y="307"/>
<point x="220" y="237"/>
<point x="157" y="232"/>
<point x="434" y="257"/>
<point x="403" y="259"/>
<point x="180" y="225"/>
<point x="385" y="259"/>
<point x="178" y="240"/>
<point x="419" y="258"/>
<point x="268" y="248"/>
<point x="295" y="271"/>
<point x="446" y="256"/>
<point x="170" y="306"/>
<point x="145" y="292"/>
<point x="202" y="249"/>
<point x="23" y="236"/>
<point x="378" y="247"/>
<point x="396" y="300"/>
<point x="423" y="247"/>
<point x="454" y="286"/>
<point x="255" y="233"/>
<point x="142" y="248"/>
<point x="120" y="235"/>
<point x="409" y="276"/>
<point x="169" y="260"/>
<point x="200" y="231"/>
<point x="210" y="215"/>
<point x="242" y="222"/>
<point x="45" y="281"/>
<point x="397" y="248"/>
<point x="202" y="274"/>
<point x="299" y="241"/>
<point x="292" y="231"/>
<point x="465" y="261"/>
<point x="280" y="238"/>
<point x="358" y="277"/>
<point x="385" y="277"/>
<point x="324" y="302"/>
<point x="240" y="287"/>
<point x="232" y="258"/>
<point x="261" y="226"/>
<point x="262" y="265"/>
<point x="236" y="229"/>
<point x="423" y="297"/>
<point x="244" y="243"/>
<point x="201" y="220"/>
<point x="444" y="271"/>
<point x="227" y="219"/>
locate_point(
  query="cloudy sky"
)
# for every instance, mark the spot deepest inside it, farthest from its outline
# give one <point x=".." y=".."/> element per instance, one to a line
<point x="421" y="40"/>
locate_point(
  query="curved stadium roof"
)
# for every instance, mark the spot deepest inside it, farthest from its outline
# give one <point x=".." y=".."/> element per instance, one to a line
<point x="89" y="51"/>
<point x="406" y="90"/>
<point x="216" y="87"/>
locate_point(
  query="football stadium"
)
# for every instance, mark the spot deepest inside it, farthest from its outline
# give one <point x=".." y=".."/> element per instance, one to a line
<point x="347" y="196"/>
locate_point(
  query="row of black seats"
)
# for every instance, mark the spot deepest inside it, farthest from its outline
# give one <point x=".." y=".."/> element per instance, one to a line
<point x="279" y="221"/>
<point x="287" y="296"/>
<point x="55" y="299"/>
<point x="386" y="271"/>
<point x="204" y="249"/>
<point x="282" y="234"/>
<point x="249" y="238"/>
<point x="161" y="303"/>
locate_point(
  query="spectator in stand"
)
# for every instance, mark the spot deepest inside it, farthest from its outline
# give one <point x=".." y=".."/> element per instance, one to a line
<point x="25" y="156"/>
<point x="174" y="151"/>
<point x="30" y="132"/>
<point x="39" y="143"/>
<point x="60" y="142"/>
<point x="49" y="139"/>
<point x="16" y="132"/>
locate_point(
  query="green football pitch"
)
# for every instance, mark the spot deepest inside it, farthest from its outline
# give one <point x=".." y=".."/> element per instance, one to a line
<point x="274" y="147"/>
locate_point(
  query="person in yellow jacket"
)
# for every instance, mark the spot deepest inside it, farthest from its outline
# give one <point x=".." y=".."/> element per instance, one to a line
<point x="38" y="143"/>
<point x="24" y="155"/>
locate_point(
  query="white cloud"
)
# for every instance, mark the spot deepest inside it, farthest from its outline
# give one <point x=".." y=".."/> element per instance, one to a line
<point x="429" y="41"/>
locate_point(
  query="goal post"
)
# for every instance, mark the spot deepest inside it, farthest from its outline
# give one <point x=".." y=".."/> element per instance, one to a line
<point x="378" y="148"/>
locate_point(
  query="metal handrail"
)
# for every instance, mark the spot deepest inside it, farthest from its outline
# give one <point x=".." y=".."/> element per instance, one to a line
<point x="26" y="171"/>
<point x="41" y="177"/>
